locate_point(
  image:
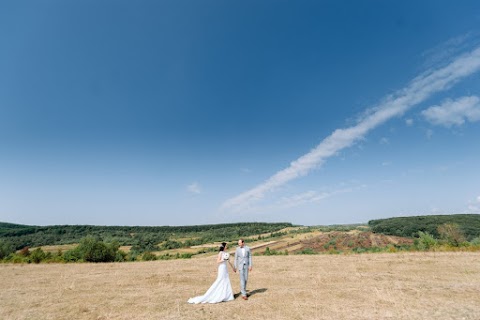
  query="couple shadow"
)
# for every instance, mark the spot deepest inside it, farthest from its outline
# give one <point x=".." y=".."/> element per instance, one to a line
<point x="250" y="293"/>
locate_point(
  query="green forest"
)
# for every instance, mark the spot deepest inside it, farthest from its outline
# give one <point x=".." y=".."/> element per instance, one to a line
<point x="469" y="225"/>
<point x="142" y="238"/>
<point x="102" y="243"/>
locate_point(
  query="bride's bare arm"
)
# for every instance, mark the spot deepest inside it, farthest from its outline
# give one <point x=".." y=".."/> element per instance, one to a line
<point x="219" y="257"/>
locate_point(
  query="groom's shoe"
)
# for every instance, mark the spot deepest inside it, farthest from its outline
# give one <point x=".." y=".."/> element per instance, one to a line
<point x="244" y="298"/>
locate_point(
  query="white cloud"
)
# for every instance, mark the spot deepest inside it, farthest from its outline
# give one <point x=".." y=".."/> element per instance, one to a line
<point x="409" y="122"/>
<point x="307" y="197"/>
<point x="384" y="140"/>
<point x="454" y="112"/>
<point x="449" y="48"/>
<point x="298" y="199"/>
<point x="301" y="199"/>
<point x="419" y="89"/>
<point x="194" y="188"/>
<point x="478" y="199"/>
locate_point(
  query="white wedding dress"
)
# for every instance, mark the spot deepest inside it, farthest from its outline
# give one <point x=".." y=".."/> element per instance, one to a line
<point x="221" y="289"/>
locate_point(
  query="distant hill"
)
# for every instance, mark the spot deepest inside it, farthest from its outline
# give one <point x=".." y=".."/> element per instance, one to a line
<point x="33" y="236"/>
<point x="5" y="225"/>
<point x="147" y="238"/>
<point x="410" y="226"/>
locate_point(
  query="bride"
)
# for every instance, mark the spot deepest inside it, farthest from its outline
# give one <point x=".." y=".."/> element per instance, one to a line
<point x="221" y="289"/>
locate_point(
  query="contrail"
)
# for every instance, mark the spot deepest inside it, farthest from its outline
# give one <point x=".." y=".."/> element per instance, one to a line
<point x="418" y="90"/>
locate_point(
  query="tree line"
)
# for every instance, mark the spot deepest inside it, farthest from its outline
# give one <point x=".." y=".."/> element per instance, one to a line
<point x="141" y="238"/>
<point x="468" y="224"/>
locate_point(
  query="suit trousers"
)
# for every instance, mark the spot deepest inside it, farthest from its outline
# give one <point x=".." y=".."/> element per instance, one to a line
<point x="243" y="280"/>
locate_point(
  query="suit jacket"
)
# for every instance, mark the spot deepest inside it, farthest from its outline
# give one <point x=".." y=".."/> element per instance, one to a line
<point x="241" y="260"/>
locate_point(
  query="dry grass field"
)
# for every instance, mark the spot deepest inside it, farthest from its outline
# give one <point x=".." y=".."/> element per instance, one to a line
<point x="366" y="286"/>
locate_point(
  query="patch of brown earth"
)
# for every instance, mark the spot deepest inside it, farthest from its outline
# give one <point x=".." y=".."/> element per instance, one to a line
<point x="342" y="241"/>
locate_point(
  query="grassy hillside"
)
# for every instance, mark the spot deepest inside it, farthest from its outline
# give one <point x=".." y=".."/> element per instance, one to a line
<point x="264" y="238"/>
<point x="104" y="244"/>
<point x="142" y="237"/>
<point x="410" y="226"/>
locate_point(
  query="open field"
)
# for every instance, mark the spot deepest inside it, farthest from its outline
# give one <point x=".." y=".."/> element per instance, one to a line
<point x="366" y="286"/>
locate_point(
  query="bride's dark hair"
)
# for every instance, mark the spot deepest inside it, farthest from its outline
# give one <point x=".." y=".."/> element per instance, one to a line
<point x="222" y="247"/>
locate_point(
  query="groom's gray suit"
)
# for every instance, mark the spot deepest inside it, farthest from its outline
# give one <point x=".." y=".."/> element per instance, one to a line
<point x="242" y="263"/>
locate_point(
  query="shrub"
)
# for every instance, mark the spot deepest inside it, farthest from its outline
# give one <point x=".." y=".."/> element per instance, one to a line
<point x="451" y="233"/>
<point x="332" y="241"/>
<point x="476" y="241"/>
<point x="93" y="250"/>
<point x="425" y="241"/>
<point x="72" y="256"/>
<point x="377" y="249"/>
<point x="132" y="256"/>
<point x="307" y="251"/>
<point x="171" y="244"/>
<point x="166" y="256"/>
<point x="269" y="252"/>
<point x="56" y="257"/>
<point x="148" y="256"/>
<point x="120" y="256"/>
<point x="391" y="248"/>
<point x="334" y="251"/>
<point x="359" y="250"/>
<point x="16" y="258"/>
<point x="6" y="248"/>
<point x="37" y="255"/>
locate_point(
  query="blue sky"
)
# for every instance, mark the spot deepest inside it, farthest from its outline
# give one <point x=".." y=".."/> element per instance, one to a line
<point x="194" y="112"/>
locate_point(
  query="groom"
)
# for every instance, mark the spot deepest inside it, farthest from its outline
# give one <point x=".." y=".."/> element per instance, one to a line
<point x="243" y="262"/>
